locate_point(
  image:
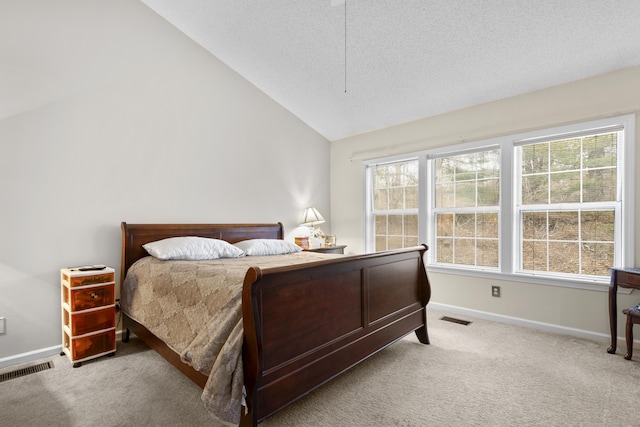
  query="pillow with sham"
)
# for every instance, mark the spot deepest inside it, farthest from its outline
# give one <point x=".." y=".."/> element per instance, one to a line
<point x="262" y="247"/>
<point x="191" y="248"/>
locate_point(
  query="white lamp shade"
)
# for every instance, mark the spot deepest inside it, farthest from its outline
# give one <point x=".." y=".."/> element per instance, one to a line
<point x="311" y="217"/>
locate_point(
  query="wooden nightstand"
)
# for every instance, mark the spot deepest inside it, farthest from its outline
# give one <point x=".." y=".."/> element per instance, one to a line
<point x="88" y="313"/>
<point x="338" y="249"/>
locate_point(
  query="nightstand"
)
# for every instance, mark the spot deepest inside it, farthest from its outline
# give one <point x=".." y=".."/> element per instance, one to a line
<point x="88" y="313"/>
<point x="339" y="249"/>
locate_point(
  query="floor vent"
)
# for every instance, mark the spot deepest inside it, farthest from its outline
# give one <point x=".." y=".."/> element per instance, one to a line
<point x="26" y="371"/>
<point x="454" y="320"/>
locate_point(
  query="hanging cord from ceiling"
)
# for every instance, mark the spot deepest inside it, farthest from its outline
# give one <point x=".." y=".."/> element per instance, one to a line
<point x="338" y="3"/>
<point x="345" y="46"/>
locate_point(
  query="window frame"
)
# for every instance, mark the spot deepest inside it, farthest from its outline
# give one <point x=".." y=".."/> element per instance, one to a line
<point x="508" y="230"/>
<point x="433" y="210"/>
<point x="579" y="207"/>
<point x="371" y="212"/>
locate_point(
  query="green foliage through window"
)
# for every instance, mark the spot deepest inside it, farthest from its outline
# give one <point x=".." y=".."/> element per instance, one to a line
<point x="395" y="205"/>
<point x="567" y="211"/>
<point x="554" y="205"/>
<point x="467" y="197"/>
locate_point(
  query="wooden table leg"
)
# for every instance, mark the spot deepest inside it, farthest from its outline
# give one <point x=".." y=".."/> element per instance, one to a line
<point x="613" y="312"/>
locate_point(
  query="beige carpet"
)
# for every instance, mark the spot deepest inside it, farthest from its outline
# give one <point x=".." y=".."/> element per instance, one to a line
<point x="483" y="374"/>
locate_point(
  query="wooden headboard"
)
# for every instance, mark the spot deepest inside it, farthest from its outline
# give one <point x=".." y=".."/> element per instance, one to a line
<point x="136" y="235"/>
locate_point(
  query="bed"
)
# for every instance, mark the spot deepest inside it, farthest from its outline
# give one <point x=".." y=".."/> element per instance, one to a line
<point x="353" y="307"/>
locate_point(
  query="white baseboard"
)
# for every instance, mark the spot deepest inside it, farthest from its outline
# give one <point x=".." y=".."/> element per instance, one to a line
<point x="580" y="333"/>
<point x="37" y="354"/>
<point x="594" y="336"/>
<point x="30" y="356"/>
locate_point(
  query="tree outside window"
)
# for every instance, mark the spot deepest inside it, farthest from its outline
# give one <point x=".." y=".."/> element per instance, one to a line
<point x="467" y="198"/>
<point x="568" y="205"/>
<point x="395" y="205"/>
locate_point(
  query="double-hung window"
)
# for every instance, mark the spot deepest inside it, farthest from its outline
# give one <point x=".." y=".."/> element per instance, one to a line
<point x="393" y="198"/>
<point x="554" y="205"/>
<point x="568" y="201"/>
<point x="466" y="208"/>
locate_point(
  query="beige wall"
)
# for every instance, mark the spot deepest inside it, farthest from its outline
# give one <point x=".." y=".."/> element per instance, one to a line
<point x="153" y="129"/>
<point x="603" y="96"/>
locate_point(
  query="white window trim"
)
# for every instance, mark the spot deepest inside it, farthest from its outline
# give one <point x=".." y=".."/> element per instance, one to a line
<point x="369" y="226"/>
<point x="626" y="178"/>
<point x="508" y="229"/>
<point x="464" y="148"/>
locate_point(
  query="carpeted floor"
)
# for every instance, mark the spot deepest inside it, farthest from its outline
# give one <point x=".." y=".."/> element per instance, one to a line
<point x="483" y="374"/>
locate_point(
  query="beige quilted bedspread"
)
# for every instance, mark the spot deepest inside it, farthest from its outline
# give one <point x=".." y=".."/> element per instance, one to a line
<point x="196" y="308"/>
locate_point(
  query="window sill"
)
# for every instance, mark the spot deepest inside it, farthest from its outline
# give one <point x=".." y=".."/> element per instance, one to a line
<point x="592" y="285"/>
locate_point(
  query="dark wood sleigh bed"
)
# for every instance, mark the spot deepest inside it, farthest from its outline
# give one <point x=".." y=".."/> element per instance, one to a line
<point x="354" y="306"/>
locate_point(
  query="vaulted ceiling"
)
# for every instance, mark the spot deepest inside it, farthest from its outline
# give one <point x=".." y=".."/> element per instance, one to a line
<point x="406" y="59"/>
<point x="344" y="68"/>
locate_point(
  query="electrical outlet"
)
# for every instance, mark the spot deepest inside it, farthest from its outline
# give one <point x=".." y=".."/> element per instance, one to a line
<point x="495" y="291"/>
<point x="3" y="327"/>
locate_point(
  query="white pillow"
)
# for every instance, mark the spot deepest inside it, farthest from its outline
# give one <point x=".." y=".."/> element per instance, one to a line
<point x="192" y="248"/>
<point x="260" y="247"/>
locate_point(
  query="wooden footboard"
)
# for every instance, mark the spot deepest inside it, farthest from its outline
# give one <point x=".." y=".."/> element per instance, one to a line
<point x="306" y="324"/>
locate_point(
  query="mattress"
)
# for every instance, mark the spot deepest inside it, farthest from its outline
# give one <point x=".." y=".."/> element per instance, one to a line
<point x="195" y="307"/>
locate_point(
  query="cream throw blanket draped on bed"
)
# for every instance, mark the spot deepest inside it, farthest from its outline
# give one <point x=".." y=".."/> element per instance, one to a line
<point x="195" y="307"/>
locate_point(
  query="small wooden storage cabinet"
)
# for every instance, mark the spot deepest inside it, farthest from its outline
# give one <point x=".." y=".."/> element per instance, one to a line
<point x="88" y="313"/>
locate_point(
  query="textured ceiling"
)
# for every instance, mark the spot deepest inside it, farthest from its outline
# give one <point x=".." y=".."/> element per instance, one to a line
<point x="406" y="59"/>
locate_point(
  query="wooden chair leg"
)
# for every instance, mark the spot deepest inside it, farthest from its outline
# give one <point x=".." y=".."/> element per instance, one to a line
<point x="629" y="335"/>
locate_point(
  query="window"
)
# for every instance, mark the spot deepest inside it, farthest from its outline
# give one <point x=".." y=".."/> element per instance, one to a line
<point x="568" y="202"/>
<point x="394" y="207"/>
<point x="466" y="211"/>
<point x="552" y="206"/>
